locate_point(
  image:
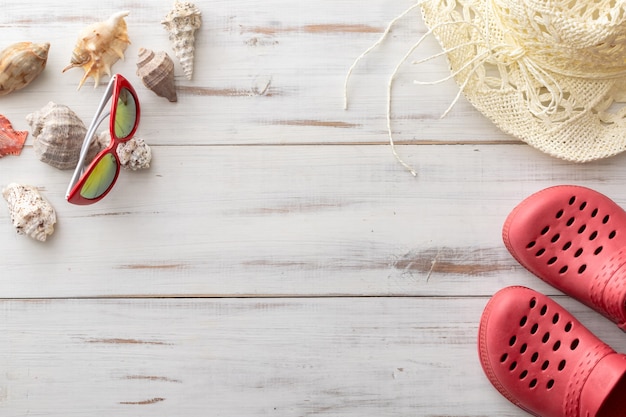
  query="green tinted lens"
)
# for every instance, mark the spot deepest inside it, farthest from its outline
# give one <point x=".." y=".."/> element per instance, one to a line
<point x="100" y="178"/>
<point x="125" y="114"/>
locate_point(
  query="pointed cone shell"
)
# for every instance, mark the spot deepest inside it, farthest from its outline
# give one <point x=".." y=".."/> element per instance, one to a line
<point x="31" y="214"/>
<point x="11" y="141"/>
<point x="20" y="64"/>
<point x="156" y="71"/>
<point x="58" y="135"/>
<point x="99" y="46"/>
<point x="181" y="24"/>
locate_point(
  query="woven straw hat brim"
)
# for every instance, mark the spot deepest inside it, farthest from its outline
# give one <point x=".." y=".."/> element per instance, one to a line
<point x="582" y="125"/>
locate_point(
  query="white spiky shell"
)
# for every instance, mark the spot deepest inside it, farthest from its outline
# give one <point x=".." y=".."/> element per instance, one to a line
<point x="99" y="46"/>
<point x="20" y="64"/>
<point x="181" y="24"/>
<point x="31" y="213"/>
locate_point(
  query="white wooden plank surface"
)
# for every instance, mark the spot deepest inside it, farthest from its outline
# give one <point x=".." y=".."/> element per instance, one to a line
<point x="289" y="220"/>
<point x="275" y="259"/>
<point x="323" y="357"/>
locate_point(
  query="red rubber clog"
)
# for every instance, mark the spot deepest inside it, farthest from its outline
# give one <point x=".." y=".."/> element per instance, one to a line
<point x="538" y="356"/>
<point x="574" y="238"/>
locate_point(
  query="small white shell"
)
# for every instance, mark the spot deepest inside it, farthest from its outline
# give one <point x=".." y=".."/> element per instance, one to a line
<point x="181" y="23"/>
<point x="134" y="154"/>
<point x="31" y="214"/>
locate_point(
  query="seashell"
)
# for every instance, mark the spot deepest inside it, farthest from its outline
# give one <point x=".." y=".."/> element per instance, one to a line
<point x="134" y="154"/>
<point x="58" y="136"/>
<point x="181" y="23"/>
<point x="156" y="71"/>
<point x="11" y="141"/>
<point x="99" y="46"/>
<point x="31" y="214"/>
<point x="20" y="64"/>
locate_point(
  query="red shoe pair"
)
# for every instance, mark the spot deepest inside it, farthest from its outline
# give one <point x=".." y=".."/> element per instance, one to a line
<point x="533" y="351"/>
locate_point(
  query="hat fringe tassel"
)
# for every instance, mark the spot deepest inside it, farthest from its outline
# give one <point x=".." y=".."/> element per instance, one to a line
<point x="363" y="55"/>
<point x="541" y="91"/>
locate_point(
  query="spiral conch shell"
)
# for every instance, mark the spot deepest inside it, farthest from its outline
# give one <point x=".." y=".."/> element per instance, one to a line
<point x="20" y="64"/>
<point x="181" y="23"/>
<point x="156" y="71"/>
<point x="58" y="135"/>
<point x="31" y="213"/>
<point x="99" y="46"/>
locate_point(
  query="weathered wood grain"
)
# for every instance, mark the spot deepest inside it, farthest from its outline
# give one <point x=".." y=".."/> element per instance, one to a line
<point x="291" y="357"/>
<point x="275" y="259"/>
<point x="262" y="69"/>
<point x="289" y="220"/>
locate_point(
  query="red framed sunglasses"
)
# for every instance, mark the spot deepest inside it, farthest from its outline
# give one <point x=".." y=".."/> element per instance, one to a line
<point x="90" y="183"/>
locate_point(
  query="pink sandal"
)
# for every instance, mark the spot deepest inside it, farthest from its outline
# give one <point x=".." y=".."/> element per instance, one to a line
<point x="573" y="238"/>
<point x="543" y="360"/>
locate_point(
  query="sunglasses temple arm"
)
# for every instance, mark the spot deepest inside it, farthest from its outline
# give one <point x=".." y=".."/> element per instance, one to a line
<point x="91" y="133"/>
<point x="98" y="118"/>
<point x="89" y="138"/>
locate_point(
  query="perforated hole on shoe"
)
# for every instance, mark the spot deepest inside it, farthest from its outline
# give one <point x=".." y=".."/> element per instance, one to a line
<point x="578" y="224"/>
<point x="533" y="369"/>
<point x="534" y="329"/>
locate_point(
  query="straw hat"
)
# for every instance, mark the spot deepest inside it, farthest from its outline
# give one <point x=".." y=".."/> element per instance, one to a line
<point x="549" y="72"/>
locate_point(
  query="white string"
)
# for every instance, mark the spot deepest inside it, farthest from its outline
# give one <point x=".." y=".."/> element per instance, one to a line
<point x="371" y="48"/>
<point x="404" y="59"/>
<point x="462" y="87"/>
<point x="397" y="68"/>
<point x="553" y="87"/>
<point x="476" y="62"/>
<point x="530" y="73"/>
<point x="442" y="53"/>
<point x="389" y="88"/>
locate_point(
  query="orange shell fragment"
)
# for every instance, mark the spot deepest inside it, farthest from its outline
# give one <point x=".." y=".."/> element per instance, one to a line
<point x="11" y="141"/>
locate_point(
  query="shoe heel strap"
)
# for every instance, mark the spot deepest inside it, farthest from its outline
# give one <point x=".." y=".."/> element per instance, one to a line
<point x="577" y="398"/>
<point x="608" y="289"/>
<point x="602" y="387"/>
